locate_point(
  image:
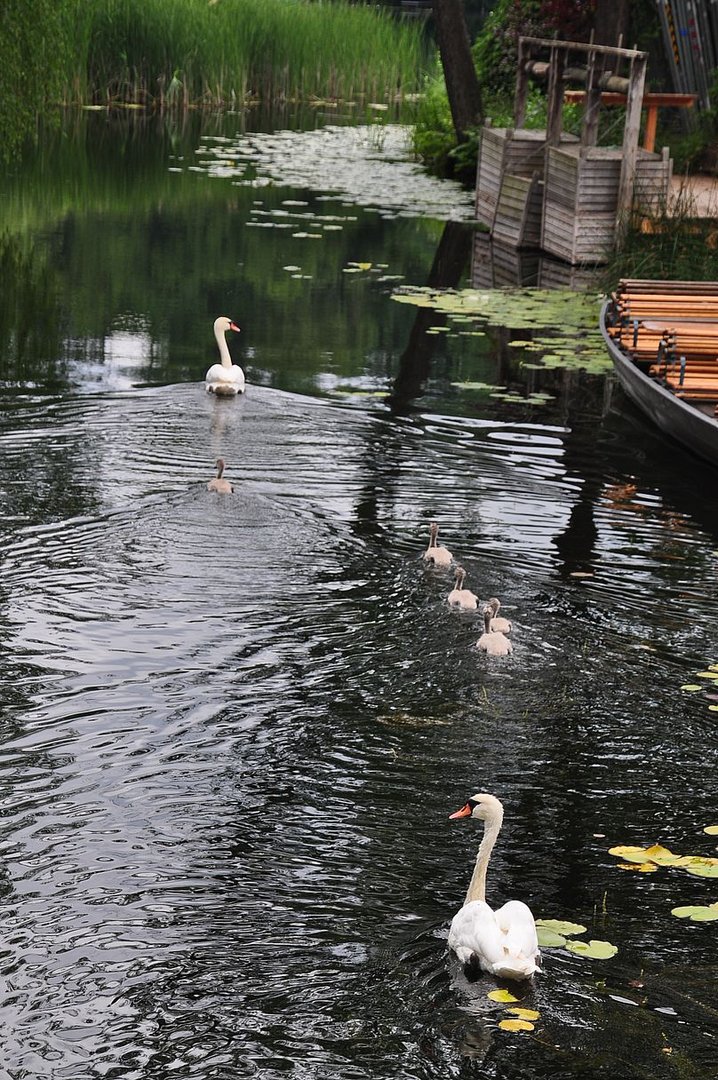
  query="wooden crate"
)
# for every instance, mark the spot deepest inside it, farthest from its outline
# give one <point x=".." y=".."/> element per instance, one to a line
<point x="505" y="150"/>
<point x="518" y="212"/>
<point x="581" y="198"/>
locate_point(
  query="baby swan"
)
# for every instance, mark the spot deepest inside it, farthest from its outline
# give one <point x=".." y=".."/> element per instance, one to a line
<point x="219" y="484"/>
<point x="461" y="597"/>
<point x="498" y="622"/>
<point x="493" y="642"/>
<point x="439" y="556"/>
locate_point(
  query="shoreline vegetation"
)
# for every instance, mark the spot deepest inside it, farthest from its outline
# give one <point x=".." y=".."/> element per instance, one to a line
<point x="182" y="54"/>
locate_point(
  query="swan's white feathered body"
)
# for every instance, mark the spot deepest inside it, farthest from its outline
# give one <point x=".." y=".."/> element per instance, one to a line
<point x="435" y="553"/>
<point x="502" y="942"/>
<point x="224" y="378"/>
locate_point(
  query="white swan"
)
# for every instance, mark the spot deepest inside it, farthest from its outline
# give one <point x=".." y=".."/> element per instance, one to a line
<point x="461" y="597"/>
<point x="498" y="622"/>
<point x="502" y="942"/>
<point x="439" y="556"/>
<point x="224" y="378"/>
<point x="219" y="484"/>
<point x="491" y="641"/>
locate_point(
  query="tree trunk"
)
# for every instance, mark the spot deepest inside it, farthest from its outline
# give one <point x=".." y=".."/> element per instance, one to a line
<point x="611" y="23"/>
<point x="462" y="83"/>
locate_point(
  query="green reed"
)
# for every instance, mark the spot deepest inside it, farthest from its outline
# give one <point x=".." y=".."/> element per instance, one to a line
<point x="176" y="53"/>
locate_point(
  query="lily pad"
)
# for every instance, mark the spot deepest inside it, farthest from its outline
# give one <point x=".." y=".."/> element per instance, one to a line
<point x="515" y="1025"/>
<point x="505" y="996"/>
<point x="691" y="687"/>
<point x="549" y="939"/>
<point x="707" y="674"/>
<point x="712" y="830"/>
<point x="524" y="1014"/>
<point x="593" y="949"/>
<point x="641" y="868"/>
<point x="697" y="912"/>
<point x="560" y="926"/>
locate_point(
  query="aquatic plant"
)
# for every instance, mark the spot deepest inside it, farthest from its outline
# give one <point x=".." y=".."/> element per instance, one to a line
<point x="180" y="52"/>
<point x="569" y="321"/>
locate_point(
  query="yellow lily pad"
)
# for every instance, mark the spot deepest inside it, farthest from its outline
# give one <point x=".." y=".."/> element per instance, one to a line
<point x="691" y="687"/>
<point x="505" y="996"/>
<point x="713" y="708"/>
<point x="661" y="855"/>
<point x="712" y="830"/>
<point x="626" y="850"/>
<point x="524" y="1014"/>
<point x="641" y="868"/>
<point x="594" y="950"/>
<point x="515" y="1025"/>
<point x="707" y="674"/>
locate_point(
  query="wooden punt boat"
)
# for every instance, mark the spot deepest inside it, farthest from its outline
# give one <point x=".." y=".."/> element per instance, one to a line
<point x="662" y="337"/>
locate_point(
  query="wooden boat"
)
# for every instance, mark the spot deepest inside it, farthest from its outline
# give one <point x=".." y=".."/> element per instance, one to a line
<point x="662" y="337"/>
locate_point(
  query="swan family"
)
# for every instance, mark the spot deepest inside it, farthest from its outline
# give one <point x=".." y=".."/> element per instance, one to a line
<point x="502" y="942"/>
<point x="494" y="640"/>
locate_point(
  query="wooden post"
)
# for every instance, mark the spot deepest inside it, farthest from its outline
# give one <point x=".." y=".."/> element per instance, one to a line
<point x="555" y="98"/>
<point x="634" y="101"/>
<point x="522" y="79"/>
<point x="589" y="132"/>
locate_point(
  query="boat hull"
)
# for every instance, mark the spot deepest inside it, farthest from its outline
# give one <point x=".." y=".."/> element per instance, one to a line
<point x="687" y="425"/>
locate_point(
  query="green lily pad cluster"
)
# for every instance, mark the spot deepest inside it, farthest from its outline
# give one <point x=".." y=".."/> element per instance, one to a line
<point x="650" y="859"/>
<point x="710" y="683"/>
<point x="564" y="323"/>
<point x="556" y="933"/>
<point x="697" y="912"/>
<point x="519" y="1019"/>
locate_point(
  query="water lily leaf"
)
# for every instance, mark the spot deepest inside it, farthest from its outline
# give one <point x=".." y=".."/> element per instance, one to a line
<point x="691" y="687"/>
<point x="703" y="868"/>
<point x="697" y="912"/>
<point x="707" y="674"/>
<point x="641" y="868"/>
<point x="515" y="1025"/>
<point x="624" y="849"/>
<point x="713" y="667"/>
<point x="661" y="855"/>
<point x="594" y="950"/>
<point x="713" y="708"/>
<point x="712" y="830"/>
<point x="293" y="270"/>
<point x="361" y="265"/>
<point x="524" y="1014"/>
<point x="560" y="926"/>
<point x="504" y="996"/>
<point x="630" y="854"/>
<point x="549" y="939"/>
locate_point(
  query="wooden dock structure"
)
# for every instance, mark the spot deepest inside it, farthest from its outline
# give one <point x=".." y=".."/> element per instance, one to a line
<point x="562" y="193"/>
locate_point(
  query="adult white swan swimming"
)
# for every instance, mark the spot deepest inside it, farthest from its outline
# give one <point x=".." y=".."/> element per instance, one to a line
<point x="224" y="378"/>
<point x="502" y="942"/>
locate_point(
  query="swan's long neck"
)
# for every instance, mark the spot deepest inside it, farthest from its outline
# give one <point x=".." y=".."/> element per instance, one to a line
<point x="433" y="533"/>
<point x="477" y="885"/>
<point x="224" y="357"/>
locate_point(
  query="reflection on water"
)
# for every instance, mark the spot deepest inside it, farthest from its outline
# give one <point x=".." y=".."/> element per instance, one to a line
<point x="233" y="729"/>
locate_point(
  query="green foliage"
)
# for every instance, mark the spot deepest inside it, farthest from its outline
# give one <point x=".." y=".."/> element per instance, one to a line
<point x="191" y="51"/>
<point x="434" y="135"/>
<point x="36" y="53"/>
<point x="495" y="47"/>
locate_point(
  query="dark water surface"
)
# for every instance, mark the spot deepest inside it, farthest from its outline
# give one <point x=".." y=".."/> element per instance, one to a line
<point x="233" y="729"/>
